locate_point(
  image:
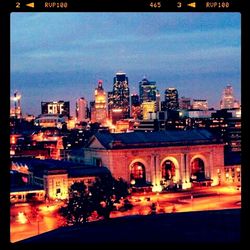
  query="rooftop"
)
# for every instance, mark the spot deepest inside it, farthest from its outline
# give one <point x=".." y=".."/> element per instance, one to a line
<point x="156" y="138"/>
<point x="40" y="167"/>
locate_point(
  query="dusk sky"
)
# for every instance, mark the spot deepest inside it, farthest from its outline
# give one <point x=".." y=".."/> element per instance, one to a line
<point x="61" y="56"/>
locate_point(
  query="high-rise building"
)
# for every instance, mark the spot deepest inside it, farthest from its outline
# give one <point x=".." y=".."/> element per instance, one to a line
<point x="158" y="101"/>
<point x="81" y="109"/>
<point x="148" y="108"/>
<point x="171" y="99"/>
<point x="185" y="103"/>
<point x="99" y="111"/>
<point x="147" y="90"/>
<point x="56" y="108"/>
<point x="120" y="96"/>
<point x="200" y="104"/>
<point x="16" y="111"/>
<point x="135" y="106"/>
<point x="110" y="104"/>
<point x="227" y="100"/>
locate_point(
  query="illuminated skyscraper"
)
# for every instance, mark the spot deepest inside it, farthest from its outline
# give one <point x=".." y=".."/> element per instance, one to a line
<point x="81" y="109"/>
<point x="99" y="111"/>
<point x="120" y="97"/>
<point x="135" y="106"/>
<point x="171" y="99"/>
<point x="147" y="91"/>
<point x="227" y="100"/>
<point x="158" y="101"/>
<point x="16" y="111"/>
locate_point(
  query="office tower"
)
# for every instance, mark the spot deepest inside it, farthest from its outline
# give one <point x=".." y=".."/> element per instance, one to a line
<point x="81" y="109"/>
<point x="185" y="103"/>
<point x="227" y="100"/>
<point x="99" y="111"/>
<point x="147" y="90"/>
<point x="135" y="106"/>
<point x="148" y="109"/>
<point x="158" y="101"/>
<point x="171" y="99"/>
<point x="120" y="95"/>
<point x="56" y="108"/>
<point x="110" y="103"/>
<point x="200" y="104"/>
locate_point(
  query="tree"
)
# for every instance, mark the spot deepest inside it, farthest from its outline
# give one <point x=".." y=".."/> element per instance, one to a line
<point x="79" y="206"/>
<point x="105" y="192"/>
<point x="99" y="197"/>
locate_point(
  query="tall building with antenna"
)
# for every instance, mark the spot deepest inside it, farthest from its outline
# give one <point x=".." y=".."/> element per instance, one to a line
<point x="99" y="109"/>
<point x="16" y="111"/>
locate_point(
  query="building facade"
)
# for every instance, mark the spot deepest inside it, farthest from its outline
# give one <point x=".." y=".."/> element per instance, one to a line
<point x="171" y="99"/>
<point x="227" y="99"/>
<point x="16" y="111"/>
<point x="52" y="178"/>
<point x="147" y="90"/>
<point x="120" y="96"/>
<point x="200" y="104"/>
<point x="185" y="103"/>
<point x="147" y="109"/>
<point x="99" y="110"/>
<point x="81" y="109"/>
<point x="163" y="158"/>
<point x="135" y="106"/>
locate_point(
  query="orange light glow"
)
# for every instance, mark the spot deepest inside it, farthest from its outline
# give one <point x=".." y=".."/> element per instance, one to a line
<point x="21" y="218"/>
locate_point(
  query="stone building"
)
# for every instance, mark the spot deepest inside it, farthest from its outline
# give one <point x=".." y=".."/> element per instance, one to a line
<point x="162" y="158"/>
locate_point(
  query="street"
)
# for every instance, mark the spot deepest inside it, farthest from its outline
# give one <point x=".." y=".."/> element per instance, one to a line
<point x="27" y="221"/>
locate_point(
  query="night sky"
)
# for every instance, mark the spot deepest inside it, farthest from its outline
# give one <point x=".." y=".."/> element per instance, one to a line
<point x="61" y="56"/>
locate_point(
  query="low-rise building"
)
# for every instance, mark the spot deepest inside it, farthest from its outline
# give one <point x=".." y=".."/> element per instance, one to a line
<point x="56" y="177"/>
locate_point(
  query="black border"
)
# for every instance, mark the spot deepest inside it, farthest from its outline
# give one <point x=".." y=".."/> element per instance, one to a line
<point x="8" y="6"/>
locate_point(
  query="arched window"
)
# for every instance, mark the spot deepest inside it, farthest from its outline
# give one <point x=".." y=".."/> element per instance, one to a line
<point x="197" y="170"/>
<point x="137" y="173"/>
<point x="168" y="170"/>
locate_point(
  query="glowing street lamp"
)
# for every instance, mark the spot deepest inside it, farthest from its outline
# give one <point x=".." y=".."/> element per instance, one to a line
<point x="132" y="182"/>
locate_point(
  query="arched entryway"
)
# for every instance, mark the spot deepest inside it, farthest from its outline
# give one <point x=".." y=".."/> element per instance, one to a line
<point x="197" y="170"/>
<point x="168" y="170"/>
<point x="170" y="176"/>
<point x="138" y="173"/>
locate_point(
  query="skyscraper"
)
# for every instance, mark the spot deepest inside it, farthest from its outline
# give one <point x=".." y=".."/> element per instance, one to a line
<point x="120" y="96"/>
<point x="158" y="101"/>
<point x="99" y="111"/>
<point x="147" y="90"/>
<point x="171" y="99"/>
<point x="81" y="109"/>
<point x="185" y="103"/>
<point x="227" y="100"/>
<point x="16" y="111"/>
<point x="135" y="106"/>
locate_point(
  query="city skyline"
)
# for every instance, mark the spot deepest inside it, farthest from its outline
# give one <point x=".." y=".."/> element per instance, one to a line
<point x="193" y="52"/>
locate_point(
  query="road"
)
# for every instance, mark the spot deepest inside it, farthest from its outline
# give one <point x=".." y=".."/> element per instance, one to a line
<point x="27" y="221"/>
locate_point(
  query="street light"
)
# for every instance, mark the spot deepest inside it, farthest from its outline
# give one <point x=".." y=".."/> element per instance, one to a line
<point x="192" y="198"/>
<point x="38" y="226"/>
